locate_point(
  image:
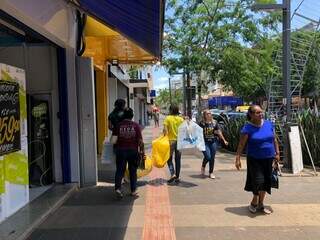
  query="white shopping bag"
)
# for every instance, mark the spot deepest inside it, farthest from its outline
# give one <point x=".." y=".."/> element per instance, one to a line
<point x="190" y="135"/>
<point x="108" y="156"/>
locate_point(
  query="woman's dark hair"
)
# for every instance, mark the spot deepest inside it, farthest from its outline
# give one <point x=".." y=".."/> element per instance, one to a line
<point x="174" y="110"/>
<point x="251" y="110"/>
<point x="120" y="103"/>
<point x="128" y="113"/>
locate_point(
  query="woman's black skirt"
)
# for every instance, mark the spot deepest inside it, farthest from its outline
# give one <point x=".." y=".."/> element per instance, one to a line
<point x="259" y="172"/>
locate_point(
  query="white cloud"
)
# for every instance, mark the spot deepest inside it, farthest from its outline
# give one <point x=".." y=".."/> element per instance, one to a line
<point x="161" y="82"/>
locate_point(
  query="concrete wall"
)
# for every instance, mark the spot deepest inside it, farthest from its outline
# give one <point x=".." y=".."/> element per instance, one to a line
<point x="112" y="93"/>
<point x="73" y="113"/>
<point x="122" y="91"/>
<point x="53" y="19"/>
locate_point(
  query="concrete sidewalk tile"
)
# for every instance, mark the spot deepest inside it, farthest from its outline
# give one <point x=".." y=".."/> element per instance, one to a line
<point x="232" y="215"/>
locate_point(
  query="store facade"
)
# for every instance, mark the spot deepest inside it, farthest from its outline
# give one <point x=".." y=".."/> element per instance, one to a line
<point x="39" y="49"/>
<point x="37" y="52"/>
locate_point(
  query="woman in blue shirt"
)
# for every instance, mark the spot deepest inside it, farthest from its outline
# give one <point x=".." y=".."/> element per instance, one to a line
<point x="262" y="149"/>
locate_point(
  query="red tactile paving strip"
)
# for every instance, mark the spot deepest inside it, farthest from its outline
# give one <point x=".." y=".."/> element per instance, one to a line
<point x="158" y="220"/>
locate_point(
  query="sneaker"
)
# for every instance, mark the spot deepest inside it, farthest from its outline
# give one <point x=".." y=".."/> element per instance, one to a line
<point x="119" y="194"/>
<point x="202" y="171"/>
<point x="212" y="176"/>
<point x="172" y="179"/>
<point x="177" y="180"/>
<point x="253" y="208"/>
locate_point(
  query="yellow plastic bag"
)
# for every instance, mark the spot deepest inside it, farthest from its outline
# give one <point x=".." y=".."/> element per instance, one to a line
<point x="160" y="151"/>
<point x="141" y="172"/>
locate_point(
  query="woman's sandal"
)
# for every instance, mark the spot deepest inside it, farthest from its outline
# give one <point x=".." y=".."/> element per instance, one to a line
<point x="253" y="207"/>
<point x="263" y="209"/>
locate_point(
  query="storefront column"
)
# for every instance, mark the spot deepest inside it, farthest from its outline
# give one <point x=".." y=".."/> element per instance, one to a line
<point x="101" y="96"/>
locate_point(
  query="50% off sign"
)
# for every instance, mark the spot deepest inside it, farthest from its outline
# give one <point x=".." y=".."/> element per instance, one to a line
<point x="9" y="118"/>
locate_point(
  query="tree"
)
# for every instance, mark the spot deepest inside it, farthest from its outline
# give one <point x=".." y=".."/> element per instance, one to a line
<point x="201" y="32"/>
<point x="246" y="71"/>
<point x="163" y="98"/>
<point x="311" y="78"/>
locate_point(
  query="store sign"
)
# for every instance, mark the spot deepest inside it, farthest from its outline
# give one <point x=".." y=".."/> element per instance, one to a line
<point x="9" y="117"/>
<point x="152" y="93"/>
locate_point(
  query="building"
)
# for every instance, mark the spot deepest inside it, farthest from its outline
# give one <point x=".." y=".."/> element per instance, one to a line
<point x="64" y="98"/>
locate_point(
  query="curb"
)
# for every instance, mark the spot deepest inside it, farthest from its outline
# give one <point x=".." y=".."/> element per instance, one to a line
<point x="50" y="211"/>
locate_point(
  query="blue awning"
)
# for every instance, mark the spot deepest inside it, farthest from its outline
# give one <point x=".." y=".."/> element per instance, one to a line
<point x="141" y="21"/>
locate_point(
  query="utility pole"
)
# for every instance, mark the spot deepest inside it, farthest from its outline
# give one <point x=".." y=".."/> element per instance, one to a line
<point x="189" y="102"/>
<point x="286" y="50"/>
<point x="286" y="62"/>
<point x="170" y="96"/>
<point x="184" y="93"/>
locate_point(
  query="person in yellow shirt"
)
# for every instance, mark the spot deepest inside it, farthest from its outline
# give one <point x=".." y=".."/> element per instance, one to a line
<point x="171" y="124"/>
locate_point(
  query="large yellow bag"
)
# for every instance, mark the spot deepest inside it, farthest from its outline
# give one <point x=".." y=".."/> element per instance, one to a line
<point x="160" y="151"/>
<point x="141" y="172"/>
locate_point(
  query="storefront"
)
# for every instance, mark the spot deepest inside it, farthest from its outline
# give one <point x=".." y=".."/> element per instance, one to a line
<point x="111" y="46"/>
<point x="35" y="61"/>
<point x="39" y="40"/>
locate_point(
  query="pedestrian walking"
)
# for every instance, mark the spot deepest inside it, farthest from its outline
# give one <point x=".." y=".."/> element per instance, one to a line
<point x="156" y="116"/>
<point x="171" y="124"/>
<point x="127" y="135"/>
<point x="211" y="131"/>
<point x="116" y="116"/>
<point x="262" y="150"/>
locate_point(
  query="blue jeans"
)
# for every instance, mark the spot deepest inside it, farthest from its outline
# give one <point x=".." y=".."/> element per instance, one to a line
<point x="125" y="156"/>
<point x="177" y="159"/>
<point x="209" y="155"/>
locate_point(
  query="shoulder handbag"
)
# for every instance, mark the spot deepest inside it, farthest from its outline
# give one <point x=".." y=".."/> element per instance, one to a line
<point x="141" y="156"/>
<point x="275" y="175"/>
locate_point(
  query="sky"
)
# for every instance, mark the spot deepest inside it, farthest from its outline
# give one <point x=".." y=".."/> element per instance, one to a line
<point x="310" y="8"/>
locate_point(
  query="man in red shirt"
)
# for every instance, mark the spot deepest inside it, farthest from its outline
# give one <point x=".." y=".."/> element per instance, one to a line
<point x="128" y="137"/>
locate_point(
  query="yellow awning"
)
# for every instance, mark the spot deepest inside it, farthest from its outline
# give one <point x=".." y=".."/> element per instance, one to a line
<point x="105" y="44"/>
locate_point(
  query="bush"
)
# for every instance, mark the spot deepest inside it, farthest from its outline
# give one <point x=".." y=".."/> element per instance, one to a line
<point x="311" y="127"/>
<point x="308" y="120"/>
<point x="231" y="131"/>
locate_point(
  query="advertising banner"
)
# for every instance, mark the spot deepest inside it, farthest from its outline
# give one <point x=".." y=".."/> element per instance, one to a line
<point x="2" y="186"/>
<point x="17" y="75"/>
<point x="9" y="117"/>
<point x="16" y="168"/>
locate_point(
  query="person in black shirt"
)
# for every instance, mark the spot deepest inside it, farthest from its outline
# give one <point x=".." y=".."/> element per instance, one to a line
<point x="210" y="133"/>
<point x="116" y="116"/>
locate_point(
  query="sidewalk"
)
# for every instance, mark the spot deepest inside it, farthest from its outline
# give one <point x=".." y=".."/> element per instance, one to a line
<point x="197" y="208"/>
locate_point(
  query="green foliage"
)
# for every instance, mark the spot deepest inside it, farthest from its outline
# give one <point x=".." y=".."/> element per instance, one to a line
<point x="311" y="78"/>
<point x="309" y="121"/>
<point x="311" y="125"/>
<point x="231" y="132"/>
<point x="133" y="72"/>
<point x="212" y="36"/>
<point x="163" y="97"/>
